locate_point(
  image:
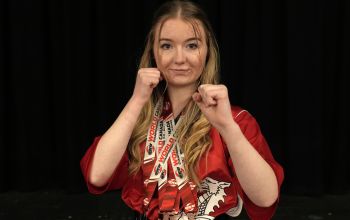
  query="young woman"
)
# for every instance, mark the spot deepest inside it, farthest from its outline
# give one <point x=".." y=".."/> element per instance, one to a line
<point x="179" y="150"/>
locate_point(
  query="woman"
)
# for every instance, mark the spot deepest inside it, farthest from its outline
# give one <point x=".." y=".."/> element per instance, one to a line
<point x="179" y="149"/>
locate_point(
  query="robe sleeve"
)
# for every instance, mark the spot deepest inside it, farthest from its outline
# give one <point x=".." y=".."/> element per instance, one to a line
<point x="251" y="131"/>
<point x="116" y="181"/>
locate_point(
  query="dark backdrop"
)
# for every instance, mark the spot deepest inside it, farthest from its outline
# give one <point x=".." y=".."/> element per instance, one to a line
<point x="68" y="68"/>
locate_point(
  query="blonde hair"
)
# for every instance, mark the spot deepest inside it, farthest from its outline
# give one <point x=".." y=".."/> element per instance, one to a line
<point x="193" y="132"/>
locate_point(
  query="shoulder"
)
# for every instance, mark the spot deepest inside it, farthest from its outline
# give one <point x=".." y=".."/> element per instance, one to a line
<point x="239" y="113"/>
<point x="246" y="121"/>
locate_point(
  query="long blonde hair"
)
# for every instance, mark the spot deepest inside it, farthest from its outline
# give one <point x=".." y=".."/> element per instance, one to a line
<point x="193" y="132"/>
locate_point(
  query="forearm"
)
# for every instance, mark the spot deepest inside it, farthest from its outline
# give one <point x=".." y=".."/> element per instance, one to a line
<point x="255" y="175"/>
<point x="113" y="144"/>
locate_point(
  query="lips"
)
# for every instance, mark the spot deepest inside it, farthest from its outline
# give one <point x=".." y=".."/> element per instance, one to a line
<point x="179" y="70"/>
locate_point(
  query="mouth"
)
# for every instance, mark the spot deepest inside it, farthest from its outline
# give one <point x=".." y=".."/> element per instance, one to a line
<point x="181" y="71"/>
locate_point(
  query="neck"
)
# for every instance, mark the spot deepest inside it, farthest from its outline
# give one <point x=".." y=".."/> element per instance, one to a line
<point x="179" y="97"/>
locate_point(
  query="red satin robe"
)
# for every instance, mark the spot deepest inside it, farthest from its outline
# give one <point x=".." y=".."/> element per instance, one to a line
<point x="222" y="190"/>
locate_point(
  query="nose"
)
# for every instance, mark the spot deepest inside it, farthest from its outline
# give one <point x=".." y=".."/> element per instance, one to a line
<point x="180" y="57"/>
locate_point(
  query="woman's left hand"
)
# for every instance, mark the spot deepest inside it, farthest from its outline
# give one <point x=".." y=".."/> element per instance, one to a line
<point x="214" y="103"/>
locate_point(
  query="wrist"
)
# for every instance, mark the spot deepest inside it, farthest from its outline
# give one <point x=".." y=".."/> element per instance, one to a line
<point x="133" y="109"/>
<point x="137" y="102"/>
<point x="228" y="127"/>
<point x="230" y="130"/>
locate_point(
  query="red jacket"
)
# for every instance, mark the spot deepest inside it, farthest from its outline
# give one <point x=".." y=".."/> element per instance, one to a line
<point x="223" y="192"/>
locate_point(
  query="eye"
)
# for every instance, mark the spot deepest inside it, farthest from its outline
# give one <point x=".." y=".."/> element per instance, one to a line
<point x="192" y="46"/>
<point x="165" y="46"/>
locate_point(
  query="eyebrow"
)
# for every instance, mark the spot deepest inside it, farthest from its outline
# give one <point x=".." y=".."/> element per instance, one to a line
<point x="189" y="39"/>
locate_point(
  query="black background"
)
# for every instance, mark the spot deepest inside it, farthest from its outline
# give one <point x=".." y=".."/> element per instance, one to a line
<point x="67" y="68"/>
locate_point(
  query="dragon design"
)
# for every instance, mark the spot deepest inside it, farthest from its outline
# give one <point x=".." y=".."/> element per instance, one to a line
<point x="215" y="192"/>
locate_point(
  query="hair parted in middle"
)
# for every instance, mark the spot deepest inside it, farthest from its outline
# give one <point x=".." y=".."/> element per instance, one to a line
<point x="193" y="132"/>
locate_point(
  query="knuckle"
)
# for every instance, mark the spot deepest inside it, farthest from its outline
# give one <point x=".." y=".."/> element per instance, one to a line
<point x="223" y="87"/>
<point x="207" y="92"/>
<point x="141" y="70"/>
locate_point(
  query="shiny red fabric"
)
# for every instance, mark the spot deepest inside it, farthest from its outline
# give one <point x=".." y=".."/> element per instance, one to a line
<point x="216" y="164"/>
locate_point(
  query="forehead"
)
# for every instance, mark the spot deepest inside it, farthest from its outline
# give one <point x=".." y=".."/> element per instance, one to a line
<point x="179" y="29"/>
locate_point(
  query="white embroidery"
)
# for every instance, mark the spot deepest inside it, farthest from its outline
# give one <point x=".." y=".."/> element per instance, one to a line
<point x="240" y="113"/>
<point x="215" y="192"/>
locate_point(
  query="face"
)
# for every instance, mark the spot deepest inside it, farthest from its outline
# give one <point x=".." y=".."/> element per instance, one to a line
<point x="179" y="52"/>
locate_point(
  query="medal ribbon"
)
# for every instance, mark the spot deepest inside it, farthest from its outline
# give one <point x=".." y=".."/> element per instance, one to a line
<point x="161" y="144"/>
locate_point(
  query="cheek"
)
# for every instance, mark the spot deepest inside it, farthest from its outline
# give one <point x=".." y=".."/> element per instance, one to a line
<point x="197" y="61"/>
<point x="163" y="60"/>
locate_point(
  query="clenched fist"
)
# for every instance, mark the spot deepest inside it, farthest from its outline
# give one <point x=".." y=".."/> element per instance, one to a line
<point x="214" y="103"/>
<point x="147" y="79"/>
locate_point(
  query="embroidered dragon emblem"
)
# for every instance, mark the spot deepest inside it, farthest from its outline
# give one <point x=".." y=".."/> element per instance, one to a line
<point x="214" y="193"/>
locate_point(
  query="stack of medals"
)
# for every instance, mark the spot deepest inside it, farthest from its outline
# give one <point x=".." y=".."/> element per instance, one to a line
<point x="163" y="166"/>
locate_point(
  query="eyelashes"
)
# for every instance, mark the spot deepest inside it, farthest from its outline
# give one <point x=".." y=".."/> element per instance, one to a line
<point x="165" y="46"/>
<point x="192" y="46"/>
<point x="168" y="46"/>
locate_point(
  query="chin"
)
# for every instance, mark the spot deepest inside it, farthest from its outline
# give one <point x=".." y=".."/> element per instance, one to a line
<point x="181" y="80"/>
<point x="181" y="83"/>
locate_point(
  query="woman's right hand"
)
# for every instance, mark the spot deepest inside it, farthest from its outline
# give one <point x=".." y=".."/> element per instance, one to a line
<point x="147" y="79"/>
<point x="114" y="142"/>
